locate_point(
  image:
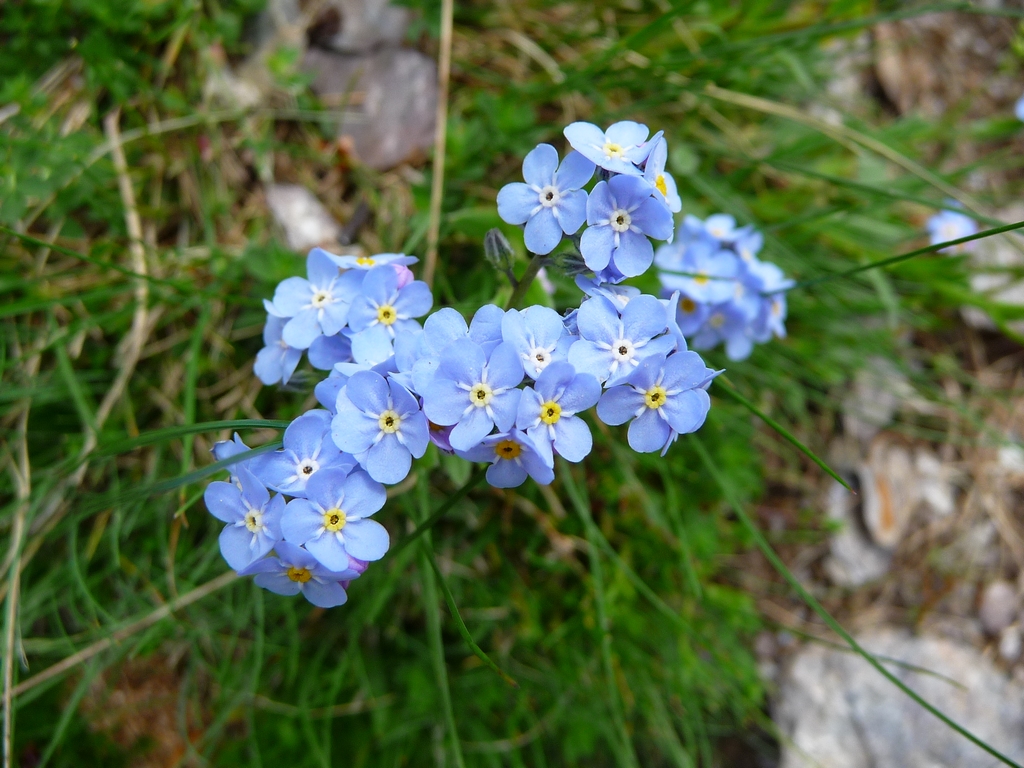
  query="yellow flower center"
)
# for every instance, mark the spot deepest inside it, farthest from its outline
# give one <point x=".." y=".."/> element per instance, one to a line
<point x="776" y="308"/>
<point x="717" y="320"/>
<point x="301" y="575"/>
<point x="334" y="520"/>
<point x="386" y="314"/>
<point x="508" y="449"/>
<point x="253" y="521"/>
<point x="655" y="396"/>
<point x="550" y="412"/>
<point x="688" y="305"/>
<point x="701" y="278"/>
<point x="660" y="185"/>
<point x="613" y="150"/>
<point x="480" y="395"/>
<point x="365" y="261"/>
<point x="389" y="421"/>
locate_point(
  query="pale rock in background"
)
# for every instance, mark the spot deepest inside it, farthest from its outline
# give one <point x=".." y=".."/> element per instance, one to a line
<point x="303" y="218"/>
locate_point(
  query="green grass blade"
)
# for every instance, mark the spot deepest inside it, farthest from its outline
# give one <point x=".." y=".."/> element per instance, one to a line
<point x="172" y="433"/>
<point x="461" y="625"/>
<point x="906" y="256"/>
<point x="825" y="616"/>
<point x="430" y="522"/>
<point x="731" y="392"/>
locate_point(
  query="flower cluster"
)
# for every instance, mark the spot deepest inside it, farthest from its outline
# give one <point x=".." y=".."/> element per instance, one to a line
<point x="507" y="388"/>
<point x="726" y="293"/>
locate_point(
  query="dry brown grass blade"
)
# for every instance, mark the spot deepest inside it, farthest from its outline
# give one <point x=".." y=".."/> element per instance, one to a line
<point x="444" y="67"/>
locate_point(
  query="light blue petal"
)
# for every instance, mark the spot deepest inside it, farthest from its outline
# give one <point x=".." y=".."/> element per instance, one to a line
<point x="574" y="172"/>
<point x="366" y="540"/>
<point x="320" y="268"/>
<point x="543" y="232"/>
<point x="329" y="552"/>
<point x="573" y="440"/>
<point x="506" y="474"/>
<point x="388" y="461"/>
<point x="553" y="380"/>
<point x="234" y="547"/>
<point x="334" y="317"/>
<point x="485" y="329"/>
<point x="278" y="583"/>
<point x="583" y="393"/>
<point x="505" y="407"/>
<point x="444" y="402"/>
<point x="416" y="433"/>
<point x="328" y="594"/>
<point x="516" y="202"/>
<point x="626" y="133"/>
<point x="471" y="429"/>
<point x="380" y="284"/>
<point x="598" y="320"/>
<point x="648" y="432"/>
<point x="643" y="318"/>
<point x="325" y="351"/>
<point x="462" y="362"/>
<point x="654" y="218"/>
<point x="597" y="244"/>
<point x="291" y="296"/>
<point x="618" y="405"/>
<point x="540" y="164"/>
<point x="587" y="357"/>
<point x="300" y="331"/>
<point x="372" y="345"/>
<point x="305" y="434"/>
<point x="224" y="501"/>
<point x="684" y="370"/>
<point x="441" y="329"/>
<point x="600" y="203"/>
<point x="414" y="300"/>
<point x="634" y="255"/>
<point x="269" y="364"/>
<point x="528" y="414"/>
<point x="504" y="368"/>
<point x="687" y="411"/>
<point x="572" y="211"/>
<point x="352" y="430"/>
<point x="369" y="392"/>
<point x="363" y="495"/>
<point x="301" y="521"/>
<point x="542" y="442"/>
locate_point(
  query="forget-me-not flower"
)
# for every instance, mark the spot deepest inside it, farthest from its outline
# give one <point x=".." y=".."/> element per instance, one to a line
<point x="612" y="346"/>
<point x="748" y="243"/>
<point x="333" y="521"/>
<point x="380" y="422"/>
<point x="308" y="449"/>
<point x="619" y="149"/>
<point x="317" y="305"/>
<point x="619" y="295"/>
<point x="295" y="570"/>
<point x="659" y="178"/>
<point x="726" y="322"/>
<point x="538" y="335"/>
<point x="551" y="201"/>
<point x="705" y="272"/>
<point x="326" y="351"/>
<point x="664" y="398"/>
<point x="225" y="449"/>
<point x="382" y="310"/>
<point x="547" y="412"/>
<point x="951" y="225"/>
<point x="474" y="392"/>
<point x="513" y="456"/>
<point x="276" y="361"/>
<point x="621" y="214"/>
<point x="253" y="518"/>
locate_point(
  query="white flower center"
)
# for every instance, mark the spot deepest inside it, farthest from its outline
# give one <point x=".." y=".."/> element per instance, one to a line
<point x="254" y="521"/>
<point x="389" y="421"/>
<point x="949" y="232"/>
<point x="538" y="357"/>
<point x="549" y="196"/>
<point x="620" y="220"/>
<point x="718" y="231"/>
<point x="321" y="298"/>
<point x="623" y="351"/>
<point x="307" y="467"/>
<point x="480" y="395"/>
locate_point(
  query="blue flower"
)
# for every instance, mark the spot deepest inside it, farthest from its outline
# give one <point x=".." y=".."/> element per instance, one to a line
<point x="369" y="262"/>
<point x="380" y="422"/>
<point x="446" y="327"/>
<point x="316" y="306"/>
<point x="382" y="310"/>
<point x="721" y="227"/>
<point x="276" y="361"/>
<point x="619" y="295"/>
<point x="308" y="449"/>
<point x="1018" y="109"/>
<point x="474" y="392"/>
<point x="253" y="518"/>
<point x="225" y="449"/>
<point x="610" y="346"/>
<point x="326" y="351"/>
<point x="725" y="322"/>
<point x="621" y="214"/>
<point x="295" y="570"/>
<point x="659" y="178"/>
<point x="748" y="243"/>
<point x="619" y="149"/>
<point x="539" y="337"/>
<point x="951" y="225"/>
<point x="769" y="284"/>
<point x="551" y="201"/>
<point x="548" y="412"/>
<point x="690" y="315"/>
<point x="709" y="271"/>
<point x="513" y="456"/>
<point x="664" y="398"/>
<point x="333" y="521"/>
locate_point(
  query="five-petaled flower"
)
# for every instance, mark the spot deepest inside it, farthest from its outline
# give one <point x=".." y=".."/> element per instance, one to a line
<point x="380" y="422"/>
<point x="539" y="337"/>
<point x="333" y="521"/>
<point x="621" y="214"/>
<point x="548" y="412"/>
<point x="308" y="448"/>
<point x="664" y="398"/>
<point x="253" y="518"/>
<point x="551" y="201"/>
<point x="382" y="310"/>
<point x="513" y="456"/>
<point x="319" y="305"/>
<point x="620" y="149"/>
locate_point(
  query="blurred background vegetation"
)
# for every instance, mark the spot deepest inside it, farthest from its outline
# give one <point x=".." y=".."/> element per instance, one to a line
<point x="140" y="137"/>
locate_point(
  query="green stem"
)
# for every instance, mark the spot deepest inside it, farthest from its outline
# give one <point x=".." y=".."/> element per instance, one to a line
<point x="525" y="281"/>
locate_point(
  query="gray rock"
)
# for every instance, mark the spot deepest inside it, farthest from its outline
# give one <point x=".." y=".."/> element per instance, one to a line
<point x="1010" y="644"/>
<point x="836" y="712"/>
<point x="999" y="606"/>
<point x="305" y="221"/>
<point x="358" y="26"/>
<point x="393" y="95"/>
<point x="853" y="559"/>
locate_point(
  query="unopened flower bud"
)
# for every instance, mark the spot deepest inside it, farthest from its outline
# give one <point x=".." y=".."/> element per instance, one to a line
<point x="498" y="250"/>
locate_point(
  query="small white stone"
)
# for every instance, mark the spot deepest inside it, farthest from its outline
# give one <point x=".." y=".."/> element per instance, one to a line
<point x="999" y="607"/>
<point x="1010" y="643"/>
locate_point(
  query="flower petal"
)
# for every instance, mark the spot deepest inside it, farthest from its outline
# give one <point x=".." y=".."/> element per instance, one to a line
<point x="366" y="540"/>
